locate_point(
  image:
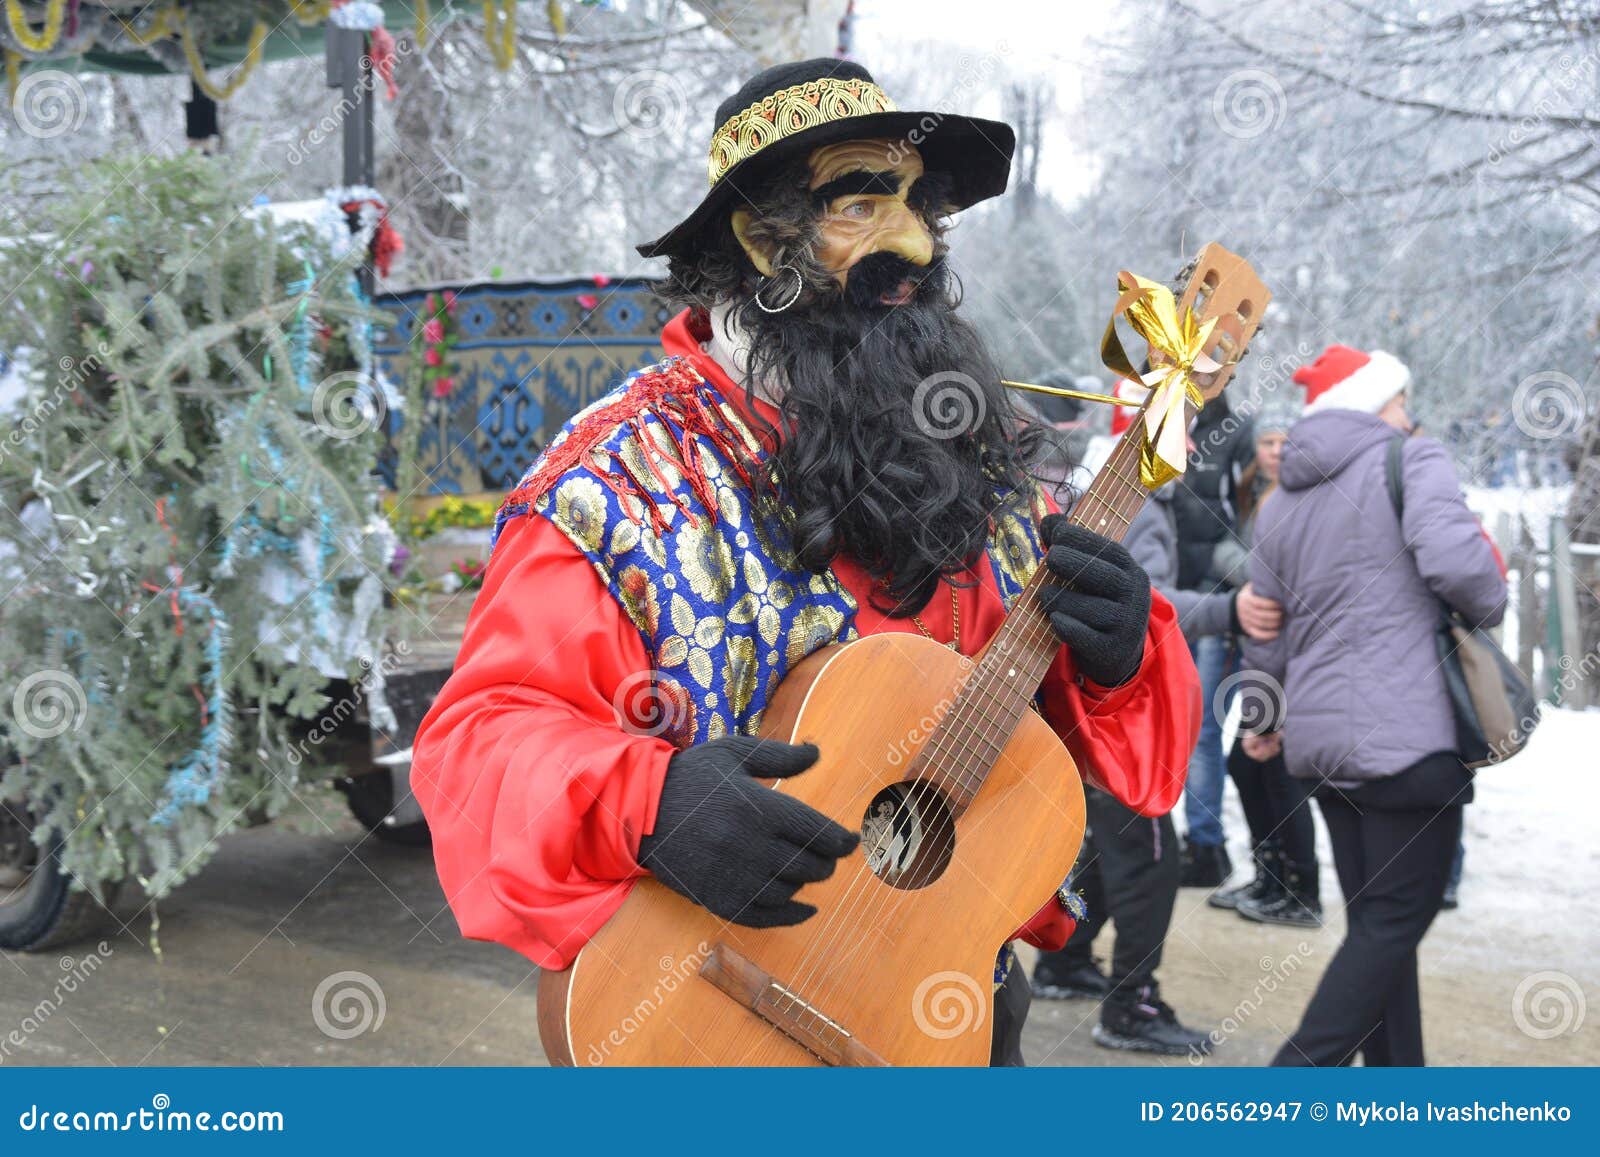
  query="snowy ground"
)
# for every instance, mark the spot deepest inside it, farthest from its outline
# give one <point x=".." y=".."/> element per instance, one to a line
<point x="1506" y="978"/>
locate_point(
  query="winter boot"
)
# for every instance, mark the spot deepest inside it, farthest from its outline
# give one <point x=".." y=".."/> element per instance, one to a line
<point x="1268" y="862"/>
<point x="1204" y="866"/>
<point x="1138" y="1020"/>
<point x="1060" y="976"/>
<point x="1297" y="904"/>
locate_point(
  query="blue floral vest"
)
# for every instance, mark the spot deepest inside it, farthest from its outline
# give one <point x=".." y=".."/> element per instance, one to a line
<point x="654" y="484"/>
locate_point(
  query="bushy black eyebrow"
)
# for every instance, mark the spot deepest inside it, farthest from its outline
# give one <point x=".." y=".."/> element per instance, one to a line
<point x="861" y="181"/>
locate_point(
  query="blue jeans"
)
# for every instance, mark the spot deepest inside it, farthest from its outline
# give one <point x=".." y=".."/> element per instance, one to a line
<point x="1202" y="795"/>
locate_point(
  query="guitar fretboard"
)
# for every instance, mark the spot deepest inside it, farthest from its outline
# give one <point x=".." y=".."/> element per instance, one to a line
<point x="1014" y="663"/>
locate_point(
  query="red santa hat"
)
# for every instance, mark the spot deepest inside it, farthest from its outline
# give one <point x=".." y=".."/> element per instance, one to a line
<point x="1122" y="417"/>
<point x="1347" y="379"/>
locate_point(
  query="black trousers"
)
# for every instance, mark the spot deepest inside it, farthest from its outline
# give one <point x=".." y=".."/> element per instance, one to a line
<point x="1011" y="1004"/>
<point x="1129" y="875"/>
<point x="1277" y="806"/>
<point x="1393" y="844"/>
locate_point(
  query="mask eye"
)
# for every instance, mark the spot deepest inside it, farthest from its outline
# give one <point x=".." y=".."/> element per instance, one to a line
<point x="858" y="210"/>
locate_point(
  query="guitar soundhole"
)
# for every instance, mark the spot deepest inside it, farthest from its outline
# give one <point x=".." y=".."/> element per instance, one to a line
<point x="907" y="835"/>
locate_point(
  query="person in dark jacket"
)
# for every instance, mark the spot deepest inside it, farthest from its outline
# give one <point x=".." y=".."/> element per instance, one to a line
<point x="1128" y="872"/>
<point x="1277" y="806"/>
<point x="1205" y="509"/>
<point x="1367" y="715"/>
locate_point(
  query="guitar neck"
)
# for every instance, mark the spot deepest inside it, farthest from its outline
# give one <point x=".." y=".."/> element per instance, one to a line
<point x="1016" y="659"/>
<point x="1108" y="508"/>
<point x="1221" y="290"/>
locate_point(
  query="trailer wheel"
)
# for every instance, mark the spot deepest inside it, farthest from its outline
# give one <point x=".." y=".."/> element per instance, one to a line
<point x="372" y="801"/>
<point x="39" y="908"/>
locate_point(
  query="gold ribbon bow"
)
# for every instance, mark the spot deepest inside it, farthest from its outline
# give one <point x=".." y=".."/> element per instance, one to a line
<point x="1177" y="353"/>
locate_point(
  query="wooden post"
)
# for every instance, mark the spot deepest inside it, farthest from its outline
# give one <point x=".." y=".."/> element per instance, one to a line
<point x="1527" y="564"/>
<point x="349" y="69"/>
<point x="1565" y="635"/>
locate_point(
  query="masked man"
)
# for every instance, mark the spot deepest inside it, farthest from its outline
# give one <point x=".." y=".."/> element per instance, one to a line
<point x="826" y="453"/>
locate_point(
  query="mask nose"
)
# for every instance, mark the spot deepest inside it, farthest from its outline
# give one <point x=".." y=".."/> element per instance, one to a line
<point x="905" y="235"/>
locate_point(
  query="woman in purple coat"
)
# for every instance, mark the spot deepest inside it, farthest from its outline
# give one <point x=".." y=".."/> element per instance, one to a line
<point x="1366" y="715"/>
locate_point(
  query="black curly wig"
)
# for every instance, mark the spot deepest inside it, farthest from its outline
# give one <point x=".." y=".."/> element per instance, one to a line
<point x="898" y="441"/>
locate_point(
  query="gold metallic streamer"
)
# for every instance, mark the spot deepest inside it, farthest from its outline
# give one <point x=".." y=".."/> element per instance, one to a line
<point x="1080" y="395"/>
<point x="197" y="64"/>
<point x="309" y="13"/>
<point x="1177" y="353"/>
<point x="160" y="28"/>
<point x="500" y="31"/>
<point x="47" y="36"/>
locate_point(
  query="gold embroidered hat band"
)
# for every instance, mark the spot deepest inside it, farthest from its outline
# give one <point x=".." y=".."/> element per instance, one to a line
<point x="790" y="109"/>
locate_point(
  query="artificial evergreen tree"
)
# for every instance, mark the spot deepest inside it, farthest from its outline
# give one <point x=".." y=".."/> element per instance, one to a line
<point x="191" y="542"/>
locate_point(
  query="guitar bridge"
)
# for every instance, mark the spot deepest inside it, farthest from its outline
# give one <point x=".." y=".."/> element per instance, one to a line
<point x="785" y="1010"/>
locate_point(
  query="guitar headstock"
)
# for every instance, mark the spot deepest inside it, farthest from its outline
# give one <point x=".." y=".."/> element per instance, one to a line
<point x="1222" y="285"/>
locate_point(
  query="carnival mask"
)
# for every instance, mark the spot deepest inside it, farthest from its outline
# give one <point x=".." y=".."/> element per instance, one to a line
<point x="873" y="235"/>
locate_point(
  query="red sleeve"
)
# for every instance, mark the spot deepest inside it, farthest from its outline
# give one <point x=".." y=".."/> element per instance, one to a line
<point x="1132" y="741"/>
<point x="535" y="794"/>
<point x="1499" y="559"/>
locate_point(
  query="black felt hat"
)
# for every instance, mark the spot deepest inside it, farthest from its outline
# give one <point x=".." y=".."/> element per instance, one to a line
<point x="791" y="109"/>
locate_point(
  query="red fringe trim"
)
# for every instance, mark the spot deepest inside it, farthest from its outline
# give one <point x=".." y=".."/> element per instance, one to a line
<point x="675" y="395"/>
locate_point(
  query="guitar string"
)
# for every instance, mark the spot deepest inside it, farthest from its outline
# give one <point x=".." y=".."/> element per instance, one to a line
<point x="962" y="734"/>
<point x="808" y="1017"/>
<point x="970" y="727"/>
<point x="959" y="739"/>
<point x="845" y="920"/>
<point x="1029" y="636"/>
<point x="855" y="908"/>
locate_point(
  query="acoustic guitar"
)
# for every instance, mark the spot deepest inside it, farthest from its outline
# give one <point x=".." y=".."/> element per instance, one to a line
<point x="971" y="811"/>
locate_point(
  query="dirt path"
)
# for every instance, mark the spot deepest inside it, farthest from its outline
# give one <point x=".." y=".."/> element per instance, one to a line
<point x="286" y="909"/>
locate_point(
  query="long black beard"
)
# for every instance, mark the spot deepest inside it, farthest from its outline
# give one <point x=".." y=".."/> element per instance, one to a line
<point x="898" y="441"/>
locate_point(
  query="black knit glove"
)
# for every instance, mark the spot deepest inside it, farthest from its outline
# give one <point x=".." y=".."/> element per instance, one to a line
<point x="1100" y="603"/>
<point x="734" y="846"/>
